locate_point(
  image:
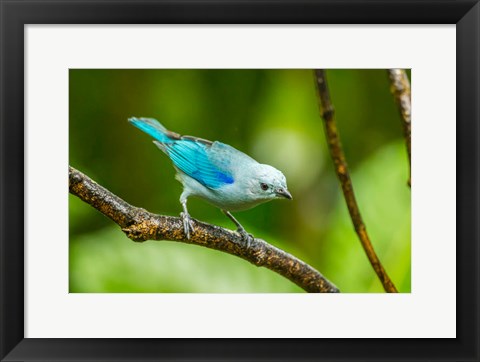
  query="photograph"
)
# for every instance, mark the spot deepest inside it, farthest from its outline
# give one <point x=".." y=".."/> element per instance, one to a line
<point x="239" y="180"/>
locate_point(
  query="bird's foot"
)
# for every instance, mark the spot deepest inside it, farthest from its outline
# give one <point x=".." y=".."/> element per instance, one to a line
<point x="247" y="237"/>
<point x="187" y="224"/>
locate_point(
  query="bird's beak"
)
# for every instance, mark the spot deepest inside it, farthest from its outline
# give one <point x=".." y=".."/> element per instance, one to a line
<point x="284" y="193"/>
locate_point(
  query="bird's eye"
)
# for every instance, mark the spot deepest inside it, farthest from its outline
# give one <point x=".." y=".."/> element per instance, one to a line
<point x="264" y="186"/>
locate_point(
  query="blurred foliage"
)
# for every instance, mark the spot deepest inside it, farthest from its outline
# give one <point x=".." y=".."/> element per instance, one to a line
<point x="271" y="115"/>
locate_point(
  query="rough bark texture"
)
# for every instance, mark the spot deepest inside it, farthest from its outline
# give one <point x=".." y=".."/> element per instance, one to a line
<point x="141" y="225"/>
<point x="401" y="91"/>
<point x="341" y="168"/>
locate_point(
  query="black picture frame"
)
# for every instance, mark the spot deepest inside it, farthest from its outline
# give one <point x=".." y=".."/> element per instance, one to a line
<point x="15" y="14"/>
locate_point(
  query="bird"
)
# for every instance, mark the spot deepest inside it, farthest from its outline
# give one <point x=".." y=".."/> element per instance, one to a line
<point x="217" y="173"/>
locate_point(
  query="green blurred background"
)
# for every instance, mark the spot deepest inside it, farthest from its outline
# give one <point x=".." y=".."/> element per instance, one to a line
<point x="271" y="115"/>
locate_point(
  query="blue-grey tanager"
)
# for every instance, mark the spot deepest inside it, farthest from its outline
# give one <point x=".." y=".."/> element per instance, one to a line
<point x="216" y="172"/>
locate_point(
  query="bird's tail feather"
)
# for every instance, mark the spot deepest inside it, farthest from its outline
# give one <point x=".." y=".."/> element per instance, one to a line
<point x="154" y="128"/>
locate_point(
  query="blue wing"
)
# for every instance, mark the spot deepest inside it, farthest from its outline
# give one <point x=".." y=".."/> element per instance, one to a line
<point x="195" y="159"/>
<point x="193" y="156"/>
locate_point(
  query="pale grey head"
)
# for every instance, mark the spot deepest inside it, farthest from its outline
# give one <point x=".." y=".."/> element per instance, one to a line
<point x="268" y="183"/>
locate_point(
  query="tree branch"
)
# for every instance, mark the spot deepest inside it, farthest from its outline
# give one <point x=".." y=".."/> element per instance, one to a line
<point x="341" y="169"/>
<point x="141" y="225"/>
<point x="400" y="87"/>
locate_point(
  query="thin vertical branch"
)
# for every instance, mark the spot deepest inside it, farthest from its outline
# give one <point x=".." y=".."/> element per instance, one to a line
<point x="400" y="87"/>
<point x="341" y="168"/>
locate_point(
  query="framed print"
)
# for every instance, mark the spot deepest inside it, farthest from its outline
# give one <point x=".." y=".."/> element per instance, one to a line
<point x="301" y="113"/>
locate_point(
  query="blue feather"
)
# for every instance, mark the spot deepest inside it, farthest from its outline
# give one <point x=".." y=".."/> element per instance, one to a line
<point x="188" y="154"/>
<point x="151" y="127"/>
<point x="193" y="159"/>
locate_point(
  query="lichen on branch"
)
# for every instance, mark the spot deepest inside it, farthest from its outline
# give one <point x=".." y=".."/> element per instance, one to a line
<point x="140" y="225"/>
<point x="400" y="87"/>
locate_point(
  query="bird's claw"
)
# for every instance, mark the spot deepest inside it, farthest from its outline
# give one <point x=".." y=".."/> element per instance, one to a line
<point x="187" y="224"/>
<point x="247" y="237"/>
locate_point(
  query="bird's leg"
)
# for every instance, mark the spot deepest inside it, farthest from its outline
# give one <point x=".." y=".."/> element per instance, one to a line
<point x="187" y="221"/>
<point x="246" y="236"/>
